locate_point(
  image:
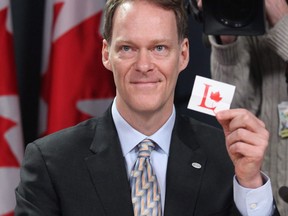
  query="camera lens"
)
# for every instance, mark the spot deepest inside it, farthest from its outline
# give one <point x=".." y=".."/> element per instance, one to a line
<point x="234" y="13"/>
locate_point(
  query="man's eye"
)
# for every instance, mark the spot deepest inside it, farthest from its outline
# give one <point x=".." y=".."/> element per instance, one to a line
<point x="126" y="48"/>
<point x="160" y="48"/>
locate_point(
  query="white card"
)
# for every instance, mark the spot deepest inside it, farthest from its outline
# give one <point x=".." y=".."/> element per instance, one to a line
<point x="210" y="96"/>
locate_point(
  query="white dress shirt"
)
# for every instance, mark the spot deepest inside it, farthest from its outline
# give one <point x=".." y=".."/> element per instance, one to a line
<point x="252" y="202"/>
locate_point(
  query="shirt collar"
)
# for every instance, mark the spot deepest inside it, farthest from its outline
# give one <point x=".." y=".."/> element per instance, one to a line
<point x="129" y="137"/>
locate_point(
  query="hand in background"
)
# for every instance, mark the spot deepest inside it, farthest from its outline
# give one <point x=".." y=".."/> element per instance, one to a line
<point x="275" y="10"/>
<point x="246" y="142"/>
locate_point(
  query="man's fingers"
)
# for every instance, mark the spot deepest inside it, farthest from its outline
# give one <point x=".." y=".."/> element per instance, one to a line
<point x="247" y="139"/>
<point x="240" y="118"/>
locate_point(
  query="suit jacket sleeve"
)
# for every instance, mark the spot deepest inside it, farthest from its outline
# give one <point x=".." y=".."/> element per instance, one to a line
<point x="35" y="194"/>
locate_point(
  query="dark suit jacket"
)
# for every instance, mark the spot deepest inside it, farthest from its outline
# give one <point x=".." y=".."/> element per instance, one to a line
<point x="81" y="171"/>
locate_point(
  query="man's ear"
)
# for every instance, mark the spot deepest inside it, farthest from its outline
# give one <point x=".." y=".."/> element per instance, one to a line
<point x="184" y="55"/>
<point x="105" y="55"/>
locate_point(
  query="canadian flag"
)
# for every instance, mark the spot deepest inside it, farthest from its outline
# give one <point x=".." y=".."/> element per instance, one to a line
<point x="11" y="140"/>
<point x="75" y="84"/>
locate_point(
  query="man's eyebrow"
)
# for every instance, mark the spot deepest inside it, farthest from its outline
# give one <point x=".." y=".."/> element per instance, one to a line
<point x="123" y="41"/>
<point x="163" y="40"/>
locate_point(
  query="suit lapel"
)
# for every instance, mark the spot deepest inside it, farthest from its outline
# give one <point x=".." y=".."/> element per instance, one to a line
<point x="107" y="169"/>
<point x="183" y="180"/>
<point x="108" y="172"/>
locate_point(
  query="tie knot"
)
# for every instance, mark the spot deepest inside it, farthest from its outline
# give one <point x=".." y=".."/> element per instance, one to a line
<point x="145" y="148"/>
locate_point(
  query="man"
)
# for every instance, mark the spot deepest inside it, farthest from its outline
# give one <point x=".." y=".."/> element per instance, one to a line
<point x="258" y="67"/>
<point x="89" y="169"/>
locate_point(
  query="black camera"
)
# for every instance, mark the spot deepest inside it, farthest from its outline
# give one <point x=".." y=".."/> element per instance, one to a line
<point x="230" y="17"/>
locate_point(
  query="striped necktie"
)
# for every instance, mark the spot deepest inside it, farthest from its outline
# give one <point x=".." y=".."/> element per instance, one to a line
<point x="145" y="190"/>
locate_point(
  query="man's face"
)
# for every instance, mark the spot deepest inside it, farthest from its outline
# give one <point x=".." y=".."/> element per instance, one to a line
<point x="145" y="57"/>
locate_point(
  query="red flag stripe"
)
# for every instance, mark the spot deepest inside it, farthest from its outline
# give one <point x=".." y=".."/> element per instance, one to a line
<point x="75" y="72"/>
<point x="11" y="142"/>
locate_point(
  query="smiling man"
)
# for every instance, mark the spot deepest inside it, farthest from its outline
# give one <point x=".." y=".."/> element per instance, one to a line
<point x="146" y="60"/>
<point x="141" y="157"/>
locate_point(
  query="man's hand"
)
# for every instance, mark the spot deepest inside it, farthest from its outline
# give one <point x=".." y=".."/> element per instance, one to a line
<point x="275" y="10"/>
<point x="246" y="142"/>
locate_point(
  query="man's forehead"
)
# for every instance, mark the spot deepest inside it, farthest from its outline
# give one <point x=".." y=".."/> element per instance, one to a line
<point x="128" y="5"/>
<point x="133" y="19"/>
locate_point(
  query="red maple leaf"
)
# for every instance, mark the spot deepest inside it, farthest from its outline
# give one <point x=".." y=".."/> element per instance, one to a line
<point x="216" y="96"/>
<point x="7" y="158"/>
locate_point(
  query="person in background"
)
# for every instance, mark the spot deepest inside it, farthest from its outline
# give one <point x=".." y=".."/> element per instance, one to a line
<point x="141" y="157"/>
<point x="258" y="67"/>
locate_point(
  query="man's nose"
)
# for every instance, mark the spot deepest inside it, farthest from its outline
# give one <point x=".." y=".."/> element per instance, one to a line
<point x="144" y="61"/>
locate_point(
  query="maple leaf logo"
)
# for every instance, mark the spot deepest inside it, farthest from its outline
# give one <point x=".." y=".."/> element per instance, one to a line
<point x="215" y="96"/>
